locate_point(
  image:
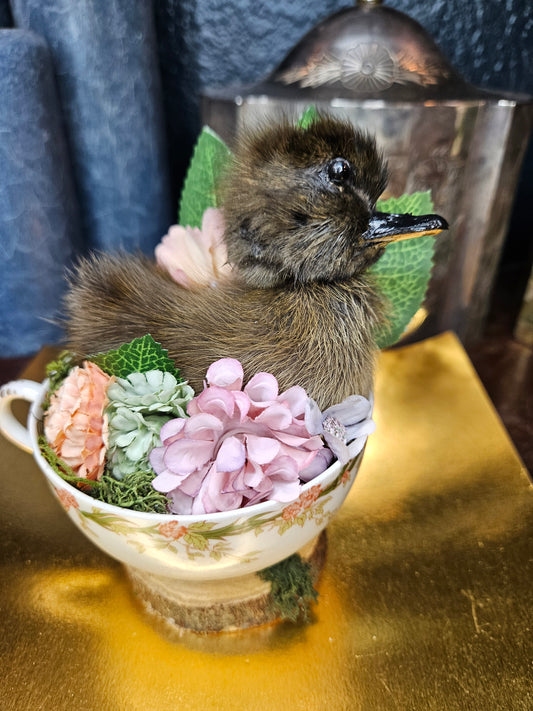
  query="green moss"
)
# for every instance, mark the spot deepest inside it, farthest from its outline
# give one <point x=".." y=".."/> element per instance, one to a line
<point x="292" y="588"/>
<point x="58" y="465"/>
<point x="134" y="491"/>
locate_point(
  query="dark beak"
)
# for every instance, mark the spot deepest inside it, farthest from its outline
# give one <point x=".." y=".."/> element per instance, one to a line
<point x="384" y="227"/>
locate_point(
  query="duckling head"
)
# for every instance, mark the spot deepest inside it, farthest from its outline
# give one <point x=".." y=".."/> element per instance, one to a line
<point x="300" y="204"/>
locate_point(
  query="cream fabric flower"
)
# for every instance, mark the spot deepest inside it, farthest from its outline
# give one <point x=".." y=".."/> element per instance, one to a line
<point x="195" y="257"/>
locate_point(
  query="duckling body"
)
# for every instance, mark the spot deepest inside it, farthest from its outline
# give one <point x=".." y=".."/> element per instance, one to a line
<point x="298" y="205"/>
<point x="309" y="334"/>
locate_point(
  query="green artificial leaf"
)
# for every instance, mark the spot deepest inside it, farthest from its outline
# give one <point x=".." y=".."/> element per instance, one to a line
<point x="138" y="356"/>
<point x="403" y="272"/>
<point x="209" y="158"/>
<point x="415" y="203"/>
<point x="308" y="117"/>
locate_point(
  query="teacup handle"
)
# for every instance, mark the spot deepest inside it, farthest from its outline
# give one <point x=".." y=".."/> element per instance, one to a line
<point x="10" y="427"/>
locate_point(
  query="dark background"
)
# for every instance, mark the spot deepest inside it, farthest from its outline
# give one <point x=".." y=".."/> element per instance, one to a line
<point x="218" y="42"/>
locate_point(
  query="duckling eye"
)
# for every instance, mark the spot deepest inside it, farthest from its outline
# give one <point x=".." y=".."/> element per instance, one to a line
<point x="340" y="171"/>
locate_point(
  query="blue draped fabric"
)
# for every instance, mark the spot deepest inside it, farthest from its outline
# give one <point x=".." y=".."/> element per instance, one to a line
<point x="5" y="14"/>
<point x="105" y="56"/>
<point x="39" y="225"/>
<point x="88" y="78"/>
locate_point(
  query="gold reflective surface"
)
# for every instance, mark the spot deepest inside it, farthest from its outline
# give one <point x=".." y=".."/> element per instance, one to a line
<point x="425" y="601"/>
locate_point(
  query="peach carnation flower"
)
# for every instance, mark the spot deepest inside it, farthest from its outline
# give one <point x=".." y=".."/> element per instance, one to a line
<point x="195" y="257"/>
<point x="75" y="424"/>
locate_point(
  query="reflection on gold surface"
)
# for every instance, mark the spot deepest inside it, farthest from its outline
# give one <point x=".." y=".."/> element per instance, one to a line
<point x="137" y="662"/>
<point x="424" y="602"/>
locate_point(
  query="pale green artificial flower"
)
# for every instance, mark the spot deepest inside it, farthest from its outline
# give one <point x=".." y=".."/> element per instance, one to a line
<point x="132" y="436"/>
<point x="139" y="406"/>
<point x="153" y="391"/>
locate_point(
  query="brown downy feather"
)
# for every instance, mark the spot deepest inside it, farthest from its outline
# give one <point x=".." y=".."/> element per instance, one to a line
<point x="300" y="305"/>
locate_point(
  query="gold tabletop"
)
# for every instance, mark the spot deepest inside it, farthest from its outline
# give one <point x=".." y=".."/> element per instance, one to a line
<point x="425" y="601"/>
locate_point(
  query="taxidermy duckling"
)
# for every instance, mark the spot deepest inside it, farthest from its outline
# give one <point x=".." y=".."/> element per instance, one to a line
<point x="301" y="231"/>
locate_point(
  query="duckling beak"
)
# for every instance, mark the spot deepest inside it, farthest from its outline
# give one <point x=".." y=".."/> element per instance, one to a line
<point x="384" y="227"/>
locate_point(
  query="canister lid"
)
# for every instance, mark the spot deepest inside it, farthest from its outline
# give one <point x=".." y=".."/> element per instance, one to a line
<point x="371" y="51"/>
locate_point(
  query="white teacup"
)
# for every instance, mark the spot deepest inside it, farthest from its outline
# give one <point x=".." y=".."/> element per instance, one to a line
<point x="203" y="547"/>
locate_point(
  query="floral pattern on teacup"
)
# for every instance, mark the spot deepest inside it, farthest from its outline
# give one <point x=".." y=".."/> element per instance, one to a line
<point x="205" y="539"/>
<point x="66" y="499"/>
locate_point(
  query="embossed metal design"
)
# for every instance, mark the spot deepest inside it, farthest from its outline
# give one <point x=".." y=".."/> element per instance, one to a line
<point x="365" y="67"/>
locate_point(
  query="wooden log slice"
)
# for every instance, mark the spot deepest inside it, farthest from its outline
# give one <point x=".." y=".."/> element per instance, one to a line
<point x="218" y="605"/>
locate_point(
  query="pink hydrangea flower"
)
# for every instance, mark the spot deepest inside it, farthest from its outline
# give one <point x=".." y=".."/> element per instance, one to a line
<point x="238" y="447"/>
<point x="196" y="257"/>
<point x="75" y="424"/>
